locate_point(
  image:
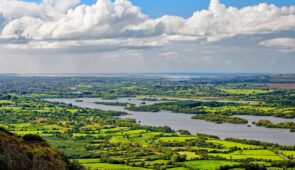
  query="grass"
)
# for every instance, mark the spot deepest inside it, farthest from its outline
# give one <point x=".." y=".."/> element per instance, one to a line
<point x="250" y="154"/>
<point x="159" y="162"/>
<point x="36" y="132"/>
<point x="189" y="155"/>
<point x="6" y="102"/>
<point x="21" y="125"/>
<point x="177" y="139"/>
<point x="85" y="134"/>
<point x="117" y="129"/>
<point x="132" y="143"/>
<point x="261" y="163"/>
<point x="92" y="126"/>
<point x="118" y="139"/>
<point x="87" y="161"/>
<point x="56" y="127"/>
<point x="70" y="146"/>
<point x="112" y="132"/>
<point x="4" y="126"/>
<point x="288" y="153"/>
<point x="228" y="144"/>
<point x="131" y="132"/>
<point x="245" y="91"/>
<point x="266" y="110"/>
<point x="209" y="164"/>
<point x="106" y="166"/>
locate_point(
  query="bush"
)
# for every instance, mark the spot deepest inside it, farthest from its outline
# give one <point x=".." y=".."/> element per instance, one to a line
<point x="33" y="138"/>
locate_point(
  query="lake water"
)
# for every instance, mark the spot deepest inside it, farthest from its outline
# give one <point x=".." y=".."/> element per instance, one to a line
<point x="183" y="121"/>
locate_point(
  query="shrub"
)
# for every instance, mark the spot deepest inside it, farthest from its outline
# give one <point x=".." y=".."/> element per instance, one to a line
<point x="33" y="138"/>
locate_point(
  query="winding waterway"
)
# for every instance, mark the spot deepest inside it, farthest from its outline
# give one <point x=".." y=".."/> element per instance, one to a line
<point x="183" y="121"/>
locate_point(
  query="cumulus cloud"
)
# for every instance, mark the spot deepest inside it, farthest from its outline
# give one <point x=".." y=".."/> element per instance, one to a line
<point x="59" y="24"/>
<point x="282" y="44"/>
<point x="220" y="22"/>
<point x="47" y="10"/>
<point x="105" y="19"/>
<point x="60" y="6"/>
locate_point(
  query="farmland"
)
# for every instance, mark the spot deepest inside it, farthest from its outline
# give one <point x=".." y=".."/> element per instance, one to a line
<point x="98" y="139"/>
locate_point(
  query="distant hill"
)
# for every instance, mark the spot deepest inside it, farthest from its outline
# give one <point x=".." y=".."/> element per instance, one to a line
<point x="8" y="74"/>
<point x="30" y="152"/>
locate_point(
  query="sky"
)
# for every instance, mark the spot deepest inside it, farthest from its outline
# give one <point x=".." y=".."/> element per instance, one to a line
<point x="104" y="36"/>
<point x="185" y="8"/>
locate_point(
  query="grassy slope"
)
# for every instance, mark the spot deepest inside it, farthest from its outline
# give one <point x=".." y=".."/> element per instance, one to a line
<point x="28" y="153"/>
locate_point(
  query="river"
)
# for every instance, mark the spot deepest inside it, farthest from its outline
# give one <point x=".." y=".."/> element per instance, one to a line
<point x="183" y="121"/>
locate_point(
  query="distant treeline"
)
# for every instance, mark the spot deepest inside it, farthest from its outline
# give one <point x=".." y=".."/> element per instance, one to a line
<point x="269" y="124"/>
<point x="221" y="119"/>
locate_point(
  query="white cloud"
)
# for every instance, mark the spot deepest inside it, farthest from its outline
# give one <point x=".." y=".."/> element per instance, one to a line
<point x="282" y="44"/>
<point x="279" y="42"/>
<point x="206" y="58"/>
<point x="107" y="44"/>
<point x="48" y="9"/>
<point x="170" y="55"/>
<point x="219" y="22"/>
<point x="59" y="24"/>
<point x="101" y="20"/>
<point x="60" y="5"/>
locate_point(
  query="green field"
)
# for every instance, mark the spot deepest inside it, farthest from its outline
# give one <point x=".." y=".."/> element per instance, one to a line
<point x="228" y="144"/>
<point x="96" y="164"/>
<point x="290" y="154"/>
<point x="251" y="154"/>
<point x="245" y="91"/>
<point x="190" y="155"/>
<point x="106" y="166"/>
<point x="177" y="139"/>
<point x="209" y="164"/>
<point x="99" y="139"/>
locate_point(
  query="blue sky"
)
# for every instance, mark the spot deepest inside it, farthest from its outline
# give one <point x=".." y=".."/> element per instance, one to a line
<point x="185" y="8"/>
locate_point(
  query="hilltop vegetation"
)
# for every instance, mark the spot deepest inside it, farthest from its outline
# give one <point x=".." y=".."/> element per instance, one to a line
<point x="30" y="152"/>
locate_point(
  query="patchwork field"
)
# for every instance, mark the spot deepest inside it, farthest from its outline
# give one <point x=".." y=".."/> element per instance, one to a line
<point x="289" y="154"/>
<point x="228" y="144"/>
<point x="250" y="154"/>
<point x="209" y="164"/>
<point x="98" y="139"/>
<point x="245" y="91"/>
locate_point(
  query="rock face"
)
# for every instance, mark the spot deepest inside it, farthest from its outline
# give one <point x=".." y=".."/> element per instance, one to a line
<point x="30" y="152"/>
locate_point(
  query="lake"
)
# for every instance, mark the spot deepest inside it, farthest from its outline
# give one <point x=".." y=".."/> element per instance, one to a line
<point x="183" y="121"/>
